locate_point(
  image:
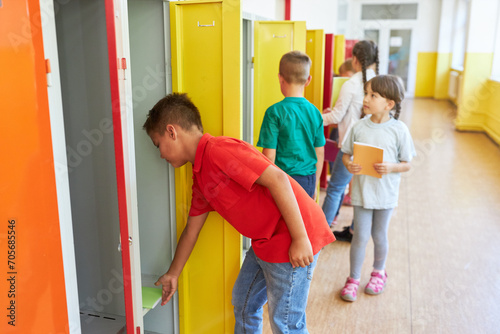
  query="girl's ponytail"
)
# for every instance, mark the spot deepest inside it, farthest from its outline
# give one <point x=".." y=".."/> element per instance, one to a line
<point x="398" y="110"/>
<point x="367" y="54"/>
<point x="376" y="59"/>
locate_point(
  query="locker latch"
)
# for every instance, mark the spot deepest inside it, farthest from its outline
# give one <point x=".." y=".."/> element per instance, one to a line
<point x="120" y="244"/>
<point x="206" y="25"/>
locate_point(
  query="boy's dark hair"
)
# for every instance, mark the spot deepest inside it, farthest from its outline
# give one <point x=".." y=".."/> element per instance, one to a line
<point x="367" y="53"/>
<point x="295" y="67"/>
<point x="390" y="87"/>
<point x="175" y="108"/>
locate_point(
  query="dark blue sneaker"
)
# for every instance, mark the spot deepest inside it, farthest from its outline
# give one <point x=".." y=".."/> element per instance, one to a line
<point x="344" y="235"/>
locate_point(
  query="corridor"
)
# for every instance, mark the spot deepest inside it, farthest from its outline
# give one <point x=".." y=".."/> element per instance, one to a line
<point x="444" y="259"/>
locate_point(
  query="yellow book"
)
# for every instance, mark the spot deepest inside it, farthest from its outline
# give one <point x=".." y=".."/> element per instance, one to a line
<point x="366" y="155"/>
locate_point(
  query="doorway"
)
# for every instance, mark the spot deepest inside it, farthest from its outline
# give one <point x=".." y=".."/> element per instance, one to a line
<point x="394" y="51"/>
<point x="393" y="28"/>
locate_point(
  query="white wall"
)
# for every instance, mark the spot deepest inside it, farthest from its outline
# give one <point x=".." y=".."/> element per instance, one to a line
<point x="482" y="20"/>
<point x="446" y="26"/>
<point x="263" y="9"/>
<point x="318" y="14"/>
<point x="427" y="30"/>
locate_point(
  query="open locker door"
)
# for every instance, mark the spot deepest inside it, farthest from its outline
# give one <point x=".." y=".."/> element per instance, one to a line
<point x="121" y="104"/>
<point x="272" y="40"/>
<point x="33" y="280"/>
<point x="315" y="49"/>
<point x="206" y="63"/>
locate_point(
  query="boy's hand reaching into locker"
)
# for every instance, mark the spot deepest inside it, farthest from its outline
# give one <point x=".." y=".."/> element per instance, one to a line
<point x="169" y="286"/>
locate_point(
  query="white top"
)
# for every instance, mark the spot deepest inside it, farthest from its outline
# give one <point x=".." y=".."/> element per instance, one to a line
<point x="394" y="137"/>
<point x="347" y="110"/>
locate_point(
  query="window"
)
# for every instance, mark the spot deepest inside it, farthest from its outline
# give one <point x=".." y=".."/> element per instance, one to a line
<point x="459" y="34"/>
<point x="389" y="12"/>
<point x="495" y="71"/>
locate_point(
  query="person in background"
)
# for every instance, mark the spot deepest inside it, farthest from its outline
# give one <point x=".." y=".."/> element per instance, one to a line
<point x="292" y="134"/>
<point x="345" y="113"/>
<point x="346" y="71"/>
<point x="373" y="198"/>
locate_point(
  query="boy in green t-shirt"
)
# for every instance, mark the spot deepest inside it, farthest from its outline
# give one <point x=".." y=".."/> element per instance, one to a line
<point x="292" y="130"/>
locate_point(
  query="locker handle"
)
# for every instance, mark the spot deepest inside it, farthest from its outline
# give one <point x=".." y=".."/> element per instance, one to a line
<point x="276" y="36"/>
<point x="206" y="25"/>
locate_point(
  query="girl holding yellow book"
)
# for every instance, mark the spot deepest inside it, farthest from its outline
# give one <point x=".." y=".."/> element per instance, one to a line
<point x="374" y="198"/>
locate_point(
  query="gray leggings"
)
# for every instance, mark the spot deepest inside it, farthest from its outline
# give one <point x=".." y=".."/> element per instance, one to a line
<point x="369" y="222"/>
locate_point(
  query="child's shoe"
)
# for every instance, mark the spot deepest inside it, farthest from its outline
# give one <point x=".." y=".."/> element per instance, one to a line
<point x="347" y="200"/>
<point x="376" y="284"/>
<point x="350" y="291"/>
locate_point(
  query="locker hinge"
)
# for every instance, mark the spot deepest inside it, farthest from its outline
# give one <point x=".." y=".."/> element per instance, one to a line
<point x="48" y="70"/>
<point x="124" y="68"/>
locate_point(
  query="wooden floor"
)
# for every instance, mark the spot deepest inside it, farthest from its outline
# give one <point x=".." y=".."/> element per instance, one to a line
<point x="444" y="258"/>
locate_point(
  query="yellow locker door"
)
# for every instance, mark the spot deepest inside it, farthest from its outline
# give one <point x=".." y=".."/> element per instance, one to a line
<point x="315" y="49"/>
<point x="272" y="40"/>
<point x="206" y="61"/>
<point x="339" y="52"/>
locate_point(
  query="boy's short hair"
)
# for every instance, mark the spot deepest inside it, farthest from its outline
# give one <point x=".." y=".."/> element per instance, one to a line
<point x="295" y="67"/>
<point x="175" y="108"/>
<point x="346" y="66"/>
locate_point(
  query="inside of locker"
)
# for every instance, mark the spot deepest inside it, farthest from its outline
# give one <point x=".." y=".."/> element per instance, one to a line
<point x="83" y="58"/>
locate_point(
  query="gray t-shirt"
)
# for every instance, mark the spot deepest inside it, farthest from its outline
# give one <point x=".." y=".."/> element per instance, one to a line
<point x="394" y="137"/>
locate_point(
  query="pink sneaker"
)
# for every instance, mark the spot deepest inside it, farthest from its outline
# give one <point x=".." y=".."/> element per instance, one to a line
<point x="350" y="291"/>
<point x="376" y="284"/>
<point x="347" y="200"/>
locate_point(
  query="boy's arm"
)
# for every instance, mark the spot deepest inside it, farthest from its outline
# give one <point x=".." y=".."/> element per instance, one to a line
<point x="320" y="154"/>
<point x="388" y="167"/>
<point x="184" y="248"/>
<point x="279" y="186"/>
<point x="270" y="153"/>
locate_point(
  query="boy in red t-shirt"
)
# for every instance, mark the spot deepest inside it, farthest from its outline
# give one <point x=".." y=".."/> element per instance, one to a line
<point x="288" y="229"/>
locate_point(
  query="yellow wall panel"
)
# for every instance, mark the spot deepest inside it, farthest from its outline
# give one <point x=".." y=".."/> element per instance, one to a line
<point x="492" y="122"/>
<point x="315" y="49"/>
<point x="442" y="75"/>
<point x="477" y="70"/>
<point x="206" y="52"/>
<point x="426" y="74"/>
<point x="272" y="40"/>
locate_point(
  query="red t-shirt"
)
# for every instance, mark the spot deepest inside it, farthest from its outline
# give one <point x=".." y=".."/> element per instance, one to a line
<point x="224" y="174"/>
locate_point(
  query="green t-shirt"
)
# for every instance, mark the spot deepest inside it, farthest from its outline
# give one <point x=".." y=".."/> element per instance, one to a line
<point x="293" y="127"/>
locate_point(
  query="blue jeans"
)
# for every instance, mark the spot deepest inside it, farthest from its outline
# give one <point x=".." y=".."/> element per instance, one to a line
<point x="308" y="182"/>
<point x="339" y="180"/>
<point x="284" y="288"/>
